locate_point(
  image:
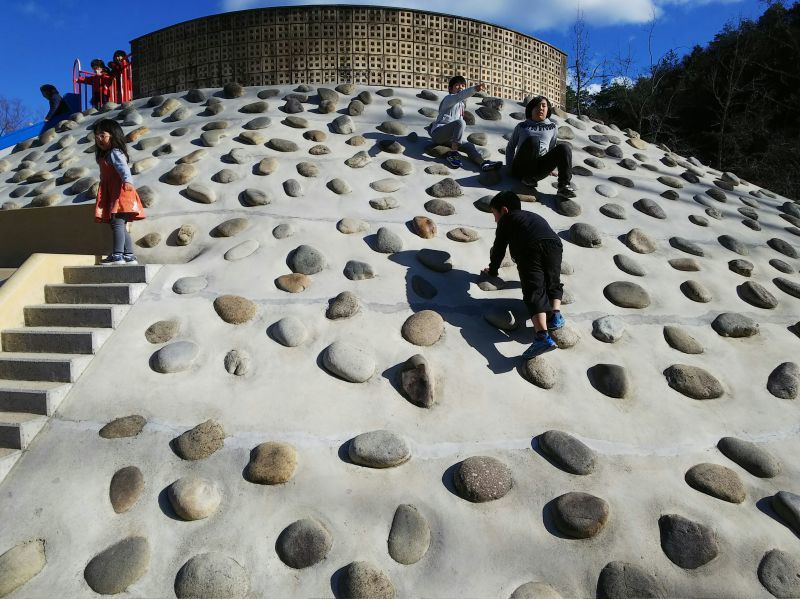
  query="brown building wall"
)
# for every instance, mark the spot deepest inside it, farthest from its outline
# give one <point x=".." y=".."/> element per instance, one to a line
<point x="345" y="44"/>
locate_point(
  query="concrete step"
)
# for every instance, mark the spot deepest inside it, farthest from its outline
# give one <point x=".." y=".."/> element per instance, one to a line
<point x="75" y="315"/>
<point x="109" y="293"/>
<point x="110" y="274"/>
<point x="54" y="340"/>
<point x="5" y="274"/>
<point x="35" y="397"/>
<point x="8" y="457"/>
<point x="64" y="368"/>
<point x="17" y="429"/>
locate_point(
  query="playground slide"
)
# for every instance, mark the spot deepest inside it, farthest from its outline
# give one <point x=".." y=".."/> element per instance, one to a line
<point x="13" y="138"/>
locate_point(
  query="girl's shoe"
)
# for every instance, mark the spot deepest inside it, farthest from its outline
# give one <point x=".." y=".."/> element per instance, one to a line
<point x="556" y="321"/>
<point x="129" y="259"/>
<point x="543" y="344"/>
<point x="112" y="259"/>
<point x="453" y="160"/>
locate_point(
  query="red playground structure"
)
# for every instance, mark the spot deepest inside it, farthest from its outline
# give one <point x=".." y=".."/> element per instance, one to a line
<point x="115" y="86"/>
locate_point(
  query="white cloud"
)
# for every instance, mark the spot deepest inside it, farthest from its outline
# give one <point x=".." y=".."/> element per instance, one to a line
<point x="522" y="15"/>
<point x="593" y="88"/>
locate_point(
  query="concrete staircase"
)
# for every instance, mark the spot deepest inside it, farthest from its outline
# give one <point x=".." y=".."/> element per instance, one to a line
<point x="40" y="361"/>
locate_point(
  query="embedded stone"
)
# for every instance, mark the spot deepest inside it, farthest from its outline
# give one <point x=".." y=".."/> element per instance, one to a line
<point x="784" y="381"/>
<point x="611" y="380"/>
<point x="409" y="536"/>
<point x="358" y="160"/>
<point x="180" y="174"/>
<point x="119" y="566"/>
<point x="679" y="339"/>
<point x="585" y="235"/>
<point x="200" y="193"/>
<point x="446" y="188"/>
<point x="271" y="463"/>
<point x="680" y="243"/>
<point x="784" y="267"/>
<point x="565" y="337"/>
<point x="119" y="428"/>
<point x="307" y="260"/>
<point x="607" y="191"/>
<point x="251" y="138"/>
<point x="267" y="166"/>
<point x="757" y="295"/>
<point x="194" y="498"/>
<point x="567" y="452"/>
<point x="387" y="185"/>
<point x="489" y="114"/>
<point x="779" y="572"/>
<point x="779" y="245"/>
<point x="732" y="324"/>
<point x="212" y="138"/>
<point x="482" y="478"/>
<point x="20" y="564"/>
<point x="293" y="283"/>
<point x="424" y="227"/>
<point x="626" y="295"/>
<point x="416" y="381"/>
<point x="650" y="208"/>
<point x="235" y="309"/>
<point x="289" y="331"/>
<point x="339" y="186"/>
<point x="344" y="305"/>
<point x="363" y="580"/>
<point x="292" y="188"/>
<point x="355" y="270"/>
<point x="255" y="197"/>
<point x="184" y="236"/>
<point x="696" y="291"/>
<point x="393" y="128"/>
<point x="750" y="456"/>
<point x="282" y="145"/>
<point x="423" y="328"/>
<point x="201" y="441"/>
<point x="787" y="505"/>
<point x="303" y="543"/>
<point x="283" y="231"/>
<point x="608" y="329"/>
<point x="343" y="125"/>
<point x="351" y="363"/>
<point x="463" y="234"/>
<point x="538" y="370"/>
<point x="628" y="265"/>
<point x="580" y="515"/>
<point x="162" y="331"/>
<point x="422" y="287"/>
<point x="733" y="244"/>
<point x="741" y="267"/>
<point x="638" y="241"/>
<point x="693" y="382"/>
<point x="716" y="194"/>
<point x="379" y="449"/>
<point x="397" y="166"/>
<point x="717" y="481"/>
<point x="686" y="543"/>
<point x="350" y="226"/>
<point x="613" y="211"/>
<point x="319" y="150"/>
<point x="212" y="575"/>
<point x="308" y="169"/>
<point x="387" y="242"/>
<point x="440" y="207"/>
<point x="175" y="357"/>
<point x="621" y="580"/>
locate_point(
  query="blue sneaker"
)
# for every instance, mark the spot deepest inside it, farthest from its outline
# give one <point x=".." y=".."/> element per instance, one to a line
<point x="543" y="344"/>
<point x="130" y="259"/>
<point x="556" y="321"/>
<point x="453" y="160"/>
<point x="112" y="259"/>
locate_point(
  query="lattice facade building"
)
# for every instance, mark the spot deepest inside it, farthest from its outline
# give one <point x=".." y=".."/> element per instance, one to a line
<point x="345" y="44"/>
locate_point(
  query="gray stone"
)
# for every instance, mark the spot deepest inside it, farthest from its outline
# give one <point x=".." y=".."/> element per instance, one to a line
<point x="282" y="145"/>
<point x="358" y="160"/>
<point x="680" y="243"/>
<point x="611" y="380"/>
<point x="502" y="318"/>
<point x="396" y="112"/>
<point x="621" y="580"/>
<point x="787" y="505"/>
<point x="201" y="441"/>
<point x="180" y="174"/>
<point x="150" y="240"/>
<point x="319" y="150"/>
<point x="283" y="231"/>
<point x="463" y="234"/>
<point x="308" y="169"/>
<point x="289" y="331"/>
<point x="733" y="245"/>
<point x="613" y="211"/>
<point x="779" y="245"/>
<point x="686" y="543"/>
<point x="741" y="267"/>
<point x="607" y="191"/>
<point x="679" y="339"/>
<point x="585" y="235"/>
<point x="235" y="309"/>
<point x="423" y="328"/>
<point x="343" y="125"/>
<point x="693" y="382"/>
<point x="307" y="260"/>
<point x="567" y="452"/>
<point x="416" y="381"/>
<point x="120" y="428"/>
<point x="535" y="590"/>
<point x="194" y="498"/>
<point x="538" y="370"/>
<point x="379" y="449"/>
<point x="212" y="576"/>
<point x="670" y="181"/>
<point x="350" y="226"/>
<point x="356" y="270"/>
<point x="638" y="241"/>
<point x="779" y="572"/>
<point x="162" y="331"/>
<point x="212" y="138"/>
<point x="446" y="188"/>
<point x="388" y="185"/>
<point x="200" y="193"/>
<point x="481" y="478"/>
<point x="125" y="489"/>
<point x="231" y="227"/>
<point x="186" y="285"/>
<point x="398" y="167"/>
<point x="784" y="267"/>
<point x="608" y="329"/>
<point x="255" y="197"/>
<point x="410" y="535"/>
<point x="594" y="162"/>
<point x="339" y="186"/>
<point x="175" y="357"/>
<point x="440" y="207"/>
<point x="344" y="305"/>
<point x="784" y="381"/>
<point x="303" y="543"/>
<point x="565" y="337"/>
<point x="20" y="564"/>
<point x="387" y="242"/>
<point x="292" y="188"/>
<point x="348" y="362"/>
<point x="567" y="207"/>
<point x="363" y="580"/>
<point x="717" y="481"/>
<point x="237" y="362"/>
<point x="650" y="208"/>
<point x="195" y="96"/>
<point x="489" y="114"/>
<point x="117" y="567"/>
<point x="750" y="456"/>
<point x="732" y="324"/>
<point x="626" y="295"/>
<point x="271" y="463"/>
<point x="696" y="291"/>
<point x="393" y="128"/>
<point x="292" y="106"/>
<point x="787" y="286"/>
<point x="580" y="515"/>
<point x="628" y="265"/>
<point x="267" y="166"/>
<point x="757" y="295"/>
<point x="717" y="194"/>
<point x="225" y="175"/>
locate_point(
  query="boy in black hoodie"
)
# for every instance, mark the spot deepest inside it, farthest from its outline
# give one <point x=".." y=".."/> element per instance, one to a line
<point x="536" y="249"/>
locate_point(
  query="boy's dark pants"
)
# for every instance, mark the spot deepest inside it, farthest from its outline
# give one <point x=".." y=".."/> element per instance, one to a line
<point x="540" y="277"/>
<point x="526" y="164"/>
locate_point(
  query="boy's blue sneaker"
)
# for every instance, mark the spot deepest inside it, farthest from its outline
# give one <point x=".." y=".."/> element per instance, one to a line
<point x="491" y="165"/>
<point x="556" y="321"/>
<point x="130" y="259"/>
<point x="112" y="259"/>
<point x="453" y="160"/>
<point x="543" y="344"/>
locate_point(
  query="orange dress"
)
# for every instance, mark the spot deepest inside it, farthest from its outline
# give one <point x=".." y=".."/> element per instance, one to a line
<point x="112" y="199"/>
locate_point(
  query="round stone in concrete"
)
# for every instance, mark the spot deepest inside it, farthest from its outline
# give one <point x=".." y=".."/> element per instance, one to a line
<point x="350" y="226"/>
<point x="680" y="243"/>
<point x="610" y="379"/>
<point x="410" y="535"/>
<point x="628" y="265"/>
<point x="446" y="188"/>
<point x="608" y="329"/>
<point x="344" y="305"/>
<point x="231" y="227"/>
<point x="626" y="295"/>
<point x="194" y="498"/>
<point x="339" y="186"/>
<point x="732" y="324"/>
<point x="585" y="235"/>
<point x="696" y="291"/>
<point x="379" y="449"/>
<point x="356" y="270"/>
<point x="423" y="328"/>
<point x="565" y="337"/>
<point x="175" y="357"/>
<point x="307" y="260"/>
<point x="567" y="452"/>
<point x="358" y="160"/>
<point x="717" y="481"/>
<point x="640" y="242"/>
<point x="784" y="381"/>
<point x="20" y="564"/>
<point x="351" y="363"/>
<point x="119" y="566"/>
<point x="650" y="208"/>
<point x="686" y="543"/>
<point x="757" y="295"/>
<point x="779" y="572"/>
<point x="126" y="488"/>
<point x="241" y="251"/>
<point x="679" y="339"/>
<point x="387" y="241"/>
<point x="750" y="456"/>
<point x="303" y="543"/>
<point x="212" y="576"/>
<point x="424" y="227"/>
<point x="162" y="331"/>
<point x="416" y="381"/>
<point x="289" y="331"/>
<point x="201" y="441"/>
<point x="693" y="382"/>
<point x="463" y="234"/>
<point x="293" y="283"/>
<point x="788" y="507"/>
<point x="580" y="515"/>
<point x="120" y="428"/>
<point x="271" y="463"/>
<point x="621" y="580"/>
<point x="364" y="580"/>
<point x="482" y="478"/>
<point x="613" y="211"/>
<point x="201" y="193"/>
<point x="386" y="203"/>
<point x="785" y="248"/>
<point x="235" y="309"/>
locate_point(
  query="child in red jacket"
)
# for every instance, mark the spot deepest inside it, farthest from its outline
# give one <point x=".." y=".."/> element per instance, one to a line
<point x="118" y="67"/>
<point x="101" y="83"/>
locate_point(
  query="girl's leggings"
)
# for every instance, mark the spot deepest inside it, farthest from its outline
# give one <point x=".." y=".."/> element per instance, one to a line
<point x="119" y="232"/>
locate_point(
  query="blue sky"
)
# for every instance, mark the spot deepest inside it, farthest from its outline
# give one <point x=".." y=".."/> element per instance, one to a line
<point x="41" y="38"/>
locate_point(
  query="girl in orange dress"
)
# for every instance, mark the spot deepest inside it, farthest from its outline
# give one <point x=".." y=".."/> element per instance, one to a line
<point x="117" y="201"/>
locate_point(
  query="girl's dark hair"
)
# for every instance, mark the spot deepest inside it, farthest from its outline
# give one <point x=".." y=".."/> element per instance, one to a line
<point x="111" y="127"/>
<point x="120" y="53"/>
<point x="534" y="103"/>
<point x="97" y="63"/>
<point x="455" y="81"/>
<point x="48" y="89"/>
<point x="506" y="199"/>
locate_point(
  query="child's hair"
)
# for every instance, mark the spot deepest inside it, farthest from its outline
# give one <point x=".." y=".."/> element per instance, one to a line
<point x="48" y="89"/>
<point x="505" y="199"/>
<point x="111" y="127"/>
<point x="534" y="103"/>
<point x="455" y="81"/>
<point x="97" y="64"/>
<point x="121" y="53"/>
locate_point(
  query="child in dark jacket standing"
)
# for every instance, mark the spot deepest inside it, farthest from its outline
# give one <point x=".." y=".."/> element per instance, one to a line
<point x="536" y="249"/>
<point x="117" y="201"/>
<point x="532" y="152"/>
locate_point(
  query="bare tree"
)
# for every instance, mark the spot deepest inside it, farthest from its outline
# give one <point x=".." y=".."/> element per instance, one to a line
<point x="13" y="115"/>
<point x="584" y="69"/>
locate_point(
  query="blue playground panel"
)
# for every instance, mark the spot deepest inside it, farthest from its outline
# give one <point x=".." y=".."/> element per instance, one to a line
<point x="13" y="138"/>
